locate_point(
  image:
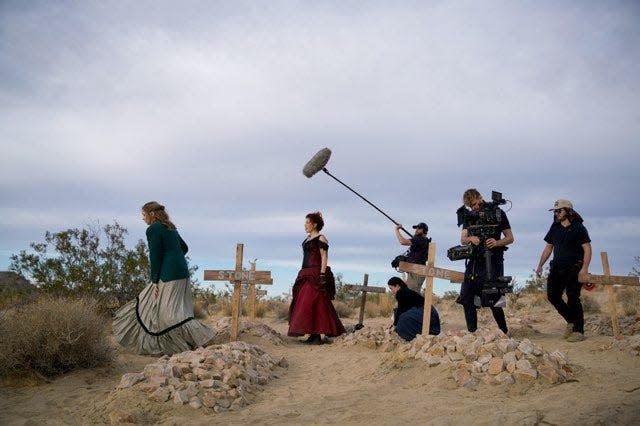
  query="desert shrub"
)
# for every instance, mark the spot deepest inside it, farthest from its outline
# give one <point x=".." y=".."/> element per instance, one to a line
<point x="199" y="309"/>
<point x="371" y="310"/>
<point x="343" y="310"/>
<point x="387" y="303"/>
<point x="450" y="295"/>
<point x="629" y="297"/>
<point x="589" y="304"/>
<point x="261" y="309"/>
<point x="53" y="336"/>
<point x="280" y="309"/>
<point x="86" y="262"/>
<point x="533" y="284"/>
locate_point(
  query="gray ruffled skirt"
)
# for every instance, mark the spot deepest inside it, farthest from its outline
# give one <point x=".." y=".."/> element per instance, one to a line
<point x="162" y="324"/>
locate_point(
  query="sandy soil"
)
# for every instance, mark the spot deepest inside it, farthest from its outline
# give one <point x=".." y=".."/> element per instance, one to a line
<point x="335" y="384"/>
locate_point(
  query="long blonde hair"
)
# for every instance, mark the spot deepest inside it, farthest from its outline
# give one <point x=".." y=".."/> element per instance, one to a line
<point x="158" y="213"/>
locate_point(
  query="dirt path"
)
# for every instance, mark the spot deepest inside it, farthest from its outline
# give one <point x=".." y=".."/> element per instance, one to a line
<point x="335" y="384"/>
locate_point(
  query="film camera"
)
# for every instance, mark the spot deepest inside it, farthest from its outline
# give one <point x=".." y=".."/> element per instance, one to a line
<point x="483" y="224"/>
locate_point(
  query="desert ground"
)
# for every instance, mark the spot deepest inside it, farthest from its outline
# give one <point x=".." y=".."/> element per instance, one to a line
<point x="337" y="383"/>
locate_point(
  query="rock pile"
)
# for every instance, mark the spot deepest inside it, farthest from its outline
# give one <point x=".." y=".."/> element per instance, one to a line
<point x="222" y="329"/>
<point x="219" y="377"/>
<point x="485" y="356"/>
<point x="630" y="344"/>
<point x="601" y="325"/>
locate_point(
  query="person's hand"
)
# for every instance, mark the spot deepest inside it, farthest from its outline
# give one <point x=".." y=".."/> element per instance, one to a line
<point x="583" y="275"/>
<point x="491" y="243"/>
<point x="538" y="272"/>
<point x="398" y="226"/>
<point x="323" y="281"/>
<point x="474" y="240"/>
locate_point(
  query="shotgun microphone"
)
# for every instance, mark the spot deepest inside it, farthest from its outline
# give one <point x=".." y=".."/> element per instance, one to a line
<point x="319" y="161"/>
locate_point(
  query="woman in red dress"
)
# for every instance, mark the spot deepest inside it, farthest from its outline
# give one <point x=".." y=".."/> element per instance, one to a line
<point x="311" y="311"/>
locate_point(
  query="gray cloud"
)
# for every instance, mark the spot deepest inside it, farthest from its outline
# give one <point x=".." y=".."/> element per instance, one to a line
<point x="213" y="109"/>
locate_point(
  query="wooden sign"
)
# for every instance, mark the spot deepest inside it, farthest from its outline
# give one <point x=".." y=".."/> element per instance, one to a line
<point x="236" y="277"/>
<point x="364" y="288"/>
<point x="432" y="271"/>
<point x="247" y="276"/>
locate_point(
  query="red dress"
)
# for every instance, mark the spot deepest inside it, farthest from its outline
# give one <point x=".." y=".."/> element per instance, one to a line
<point x="311" y="310"/>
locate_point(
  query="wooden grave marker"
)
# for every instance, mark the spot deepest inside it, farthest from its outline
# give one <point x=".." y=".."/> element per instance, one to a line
<point x="364" y="288"/>
<point x="237" y="276"/>
<point x="430" y="271"/>
<point x="609" y="281"/>
<point x="253" y="291"/>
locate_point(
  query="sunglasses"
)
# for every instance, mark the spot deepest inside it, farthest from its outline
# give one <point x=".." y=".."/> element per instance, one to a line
<point x="557" y="211"/>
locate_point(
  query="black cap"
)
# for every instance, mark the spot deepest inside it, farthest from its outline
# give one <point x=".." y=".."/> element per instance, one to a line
<point x="422" y="226"/>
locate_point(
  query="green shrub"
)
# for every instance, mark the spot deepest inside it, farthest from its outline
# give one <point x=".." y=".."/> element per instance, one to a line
<point x="53" y="336"/>
<point x="450" y="295"/>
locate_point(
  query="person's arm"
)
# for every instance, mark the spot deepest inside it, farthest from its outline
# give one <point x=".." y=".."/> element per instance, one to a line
<point x="324" y="255"/>
<point x="402" y="240"/>
<point x="183" y="245"/>
<point x="586" y="259"/>
<point x="466" y="239"/>
<point x="546" y="252"/>
<point x="154" y="240"/>
<point x="503" y="242"/>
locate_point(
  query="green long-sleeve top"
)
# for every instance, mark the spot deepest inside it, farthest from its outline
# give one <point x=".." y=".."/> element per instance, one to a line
<point x="166" y="253"/>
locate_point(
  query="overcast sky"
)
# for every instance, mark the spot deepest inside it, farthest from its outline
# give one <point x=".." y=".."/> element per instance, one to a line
<point x="213" y="108"/>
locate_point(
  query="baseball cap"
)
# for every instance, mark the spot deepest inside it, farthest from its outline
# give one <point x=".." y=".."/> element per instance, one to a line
<point x="422" y="226"/>
<point x="562" y="204"/>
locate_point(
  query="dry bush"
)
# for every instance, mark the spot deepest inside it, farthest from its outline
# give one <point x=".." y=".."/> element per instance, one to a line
<point x="387" y="304"/>
<point x="371" y="310"/>
<point x="450" y="295"/>
<point x="226" y="309"/>
<point x="53" y="336"/>
<point x="589" y="304"/>
<point x="629" y="297"/>
<point x="200" y="309"/>
<point x="343" y="310"/>
<point x="279" y="308"/>
<point x="261" y="309"/>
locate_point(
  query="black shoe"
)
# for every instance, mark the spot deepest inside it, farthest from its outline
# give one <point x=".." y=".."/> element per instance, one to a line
<point x="312" y="339"/>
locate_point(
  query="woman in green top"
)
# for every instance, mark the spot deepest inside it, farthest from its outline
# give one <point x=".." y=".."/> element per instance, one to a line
<point x="160" y="320"/>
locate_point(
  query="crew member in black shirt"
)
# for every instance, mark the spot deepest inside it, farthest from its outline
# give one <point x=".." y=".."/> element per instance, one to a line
<point x="569" y="241"/>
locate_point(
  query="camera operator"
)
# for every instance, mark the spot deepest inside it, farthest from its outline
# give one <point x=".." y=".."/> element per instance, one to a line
<point x="417" y="253"/>
<point x="475" y="276"/>
<point x="569" y="241"/>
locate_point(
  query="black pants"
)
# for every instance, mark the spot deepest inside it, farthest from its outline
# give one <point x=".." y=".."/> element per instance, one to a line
<point x="471" y="317"/>
<point x="475" y="277"/>
<point x="562" y="280"/>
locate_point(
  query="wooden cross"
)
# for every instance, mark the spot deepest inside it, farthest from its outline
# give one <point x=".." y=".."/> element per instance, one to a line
<point x="237" y="276"/>
<point x="610" y="280"/>
<point x="364" y="288"/>
<point x="430" y="271"/>
<point x="253" y="292"/>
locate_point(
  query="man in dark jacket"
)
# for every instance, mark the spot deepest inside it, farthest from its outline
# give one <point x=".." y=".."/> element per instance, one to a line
<point x="569" y="241"/>
<point x="417" y="252"/>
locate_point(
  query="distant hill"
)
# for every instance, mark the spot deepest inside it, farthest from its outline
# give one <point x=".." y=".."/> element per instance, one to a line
<point x="11" y="281"/>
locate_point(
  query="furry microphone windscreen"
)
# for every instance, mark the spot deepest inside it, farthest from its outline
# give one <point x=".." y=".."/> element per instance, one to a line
<point x="317" y="163"/>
